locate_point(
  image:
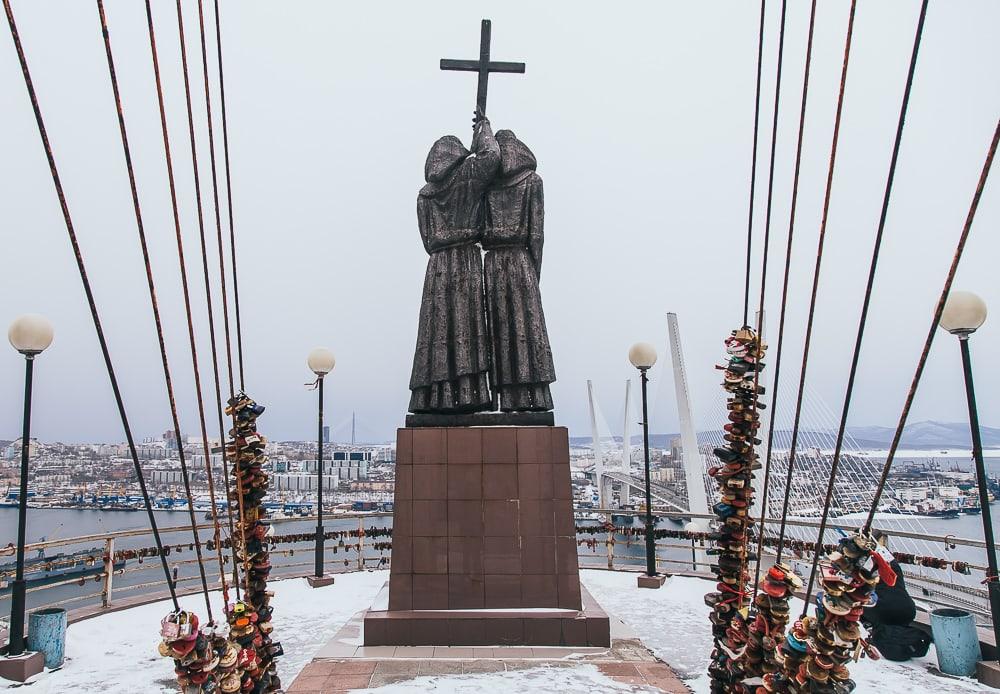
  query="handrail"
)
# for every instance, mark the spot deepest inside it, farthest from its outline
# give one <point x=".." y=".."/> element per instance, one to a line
<point x="138" y="532"/>
<point x="661" y="512"/>
<point x="354" y="552"/>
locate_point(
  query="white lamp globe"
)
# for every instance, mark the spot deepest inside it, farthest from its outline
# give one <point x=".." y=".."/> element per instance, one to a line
<point x="692" y="527"/>
<point x="30" y="334"/>
<point x="642" y="355"/>
<point x="321" y="361"/>
<point x="963" y="313"/>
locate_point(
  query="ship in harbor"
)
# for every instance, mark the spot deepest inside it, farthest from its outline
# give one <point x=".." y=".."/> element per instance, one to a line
<point x="47" y="568"/>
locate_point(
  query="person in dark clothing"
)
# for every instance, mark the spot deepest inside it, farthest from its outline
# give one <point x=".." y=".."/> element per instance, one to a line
<point x="889" y="620"/>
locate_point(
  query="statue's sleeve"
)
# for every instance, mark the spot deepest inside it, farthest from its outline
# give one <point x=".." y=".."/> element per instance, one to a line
<point x="424" y="223"/>
<point x="536" y="224"/>
<point x="483" y="166"/>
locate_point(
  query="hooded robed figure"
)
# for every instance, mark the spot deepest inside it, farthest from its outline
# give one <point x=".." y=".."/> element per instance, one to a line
<point x="451" y="362"/>
<point x="522" y="359"/>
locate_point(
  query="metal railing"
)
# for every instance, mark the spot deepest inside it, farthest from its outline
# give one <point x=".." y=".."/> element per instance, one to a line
<point x="604" y="548"/>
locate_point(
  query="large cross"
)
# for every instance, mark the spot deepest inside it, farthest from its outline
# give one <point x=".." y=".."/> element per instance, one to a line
<point x="483" y="66"/>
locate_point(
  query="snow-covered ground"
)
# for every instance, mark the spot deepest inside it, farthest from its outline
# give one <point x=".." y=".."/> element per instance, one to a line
<point x="673" y="623"/>
<point x="116" y="653"/>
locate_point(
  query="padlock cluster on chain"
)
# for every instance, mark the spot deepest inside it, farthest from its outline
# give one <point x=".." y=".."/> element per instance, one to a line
<point x="766" y="626"/>
<point x="250" y="619"/>
<point x="203" y="657"/>
<point x="734" y="475"/>
<point x="815" y="653"/>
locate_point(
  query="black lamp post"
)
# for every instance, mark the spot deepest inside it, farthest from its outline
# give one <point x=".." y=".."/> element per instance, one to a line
<point x="643" y="356"/>
<point x="29" y="335"/>
<point x="321" y="362"/>
<point x="963" y="314"/>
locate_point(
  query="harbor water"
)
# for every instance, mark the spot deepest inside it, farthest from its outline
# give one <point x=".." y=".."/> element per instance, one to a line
<point x="55" y="523"/>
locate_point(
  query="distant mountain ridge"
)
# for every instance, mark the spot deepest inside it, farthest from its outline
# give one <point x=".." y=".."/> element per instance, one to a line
<point x="918" y="435"/>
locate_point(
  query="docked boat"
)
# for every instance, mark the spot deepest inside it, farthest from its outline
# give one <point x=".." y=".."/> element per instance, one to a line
<point x="48" y="568"/>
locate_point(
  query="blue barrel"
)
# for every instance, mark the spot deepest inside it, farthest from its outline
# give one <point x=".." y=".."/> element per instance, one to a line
<point x="956" y="641"/>
<point x="47" y="634"/>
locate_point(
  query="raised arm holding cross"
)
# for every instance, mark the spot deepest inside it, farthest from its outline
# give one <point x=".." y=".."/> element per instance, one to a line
<point x="483" y="66"/>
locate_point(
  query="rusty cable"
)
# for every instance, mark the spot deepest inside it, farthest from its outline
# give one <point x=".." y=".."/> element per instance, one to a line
<point x="753" y="167"/>
<point x="184" y="281"/>
<point x="70" y="230"/>
<point x="215" y="199"/>
<point x="911" y="393"/>
<point x="765" y="249"/>
<point x="229" y="200"/>
<point x="868" y="294"/>
<point x="204" y="248"/>
<point x="222" y="279"/>
<point x="149" y="271"/>
<point x="815" y="282"/>
<point x="784" y="290"/>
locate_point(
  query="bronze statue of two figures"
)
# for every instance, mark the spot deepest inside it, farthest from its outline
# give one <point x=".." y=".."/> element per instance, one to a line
<point x="481" y="343"/>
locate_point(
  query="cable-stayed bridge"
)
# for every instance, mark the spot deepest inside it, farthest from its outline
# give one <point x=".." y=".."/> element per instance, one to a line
<point x="616" y="467"/>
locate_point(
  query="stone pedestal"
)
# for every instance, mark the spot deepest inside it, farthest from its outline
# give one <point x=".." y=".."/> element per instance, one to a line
<point x="656" y="581"/>
<point x="484" y="542"/>
<point x="19" y="668"/>
<point x="320" y="581"/>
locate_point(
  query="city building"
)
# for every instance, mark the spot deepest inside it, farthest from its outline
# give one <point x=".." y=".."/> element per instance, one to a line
<point x="348" y="465"/>
<point x="304" y="482"/>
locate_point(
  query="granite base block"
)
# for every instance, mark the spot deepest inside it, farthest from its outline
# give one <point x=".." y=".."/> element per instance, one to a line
<point x="587" y="627"/>
<point x="320" y="581"/>
<point x="19" y="668"/>
<point x="656" y="581"/>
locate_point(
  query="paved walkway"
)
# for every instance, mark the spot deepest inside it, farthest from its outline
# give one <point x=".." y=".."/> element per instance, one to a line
<point x="341" y="666"/>
<point x="339" y="676"/>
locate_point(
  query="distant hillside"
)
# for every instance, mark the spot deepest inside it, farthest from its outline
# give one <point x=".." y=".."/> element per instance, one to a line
<point x="927" y="434"/>
<point x="918" y="435"/>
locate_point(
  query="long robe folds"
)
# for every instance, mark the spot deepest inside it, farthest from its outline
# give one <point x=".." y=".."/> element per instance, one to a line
<point x="451" y="362"/>
<point x="522" y="357"/>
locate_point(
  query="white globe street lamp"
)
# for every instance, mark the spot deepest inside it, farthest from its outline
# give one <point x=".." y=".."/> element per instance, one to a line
<point x="30" y="335"/>
<point x="963" y="314"/>
<point x="642" y="355"/>
<point x="321" y="362"/>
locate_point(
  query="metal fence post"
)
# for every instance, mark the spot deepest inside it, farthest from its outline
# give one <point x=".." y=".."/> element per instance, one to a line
<point x="109" y="571"/>
<point x="361" y="543"/>
<point x="610" y="543"/>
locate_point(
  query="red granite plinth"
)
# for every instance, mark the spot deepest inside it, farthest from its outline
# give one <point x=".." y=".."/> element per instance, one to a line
<point x="483" y="521"/>
<point x="19" y="668"/>
<point x="320" y="581"/>
<point x="656" y="581"/>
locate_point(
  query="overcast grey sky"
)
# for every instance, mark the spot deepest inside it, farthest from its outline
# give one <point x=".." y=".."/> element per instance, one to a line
<point x="641" y="117"/>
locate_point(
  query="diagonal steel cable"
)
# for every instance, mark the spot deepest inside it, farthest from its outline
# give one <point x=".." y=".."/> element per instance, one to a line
<point x="753" y="166"/>
<point x="939" y="309"/>
<point x="81" y="267"/>
<point x="152" y="288"/>
<point x="815" y="283"/>
<point x="229" y="197"/>
<point x="868" y="295"/>
<point x="784" y="290"/>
